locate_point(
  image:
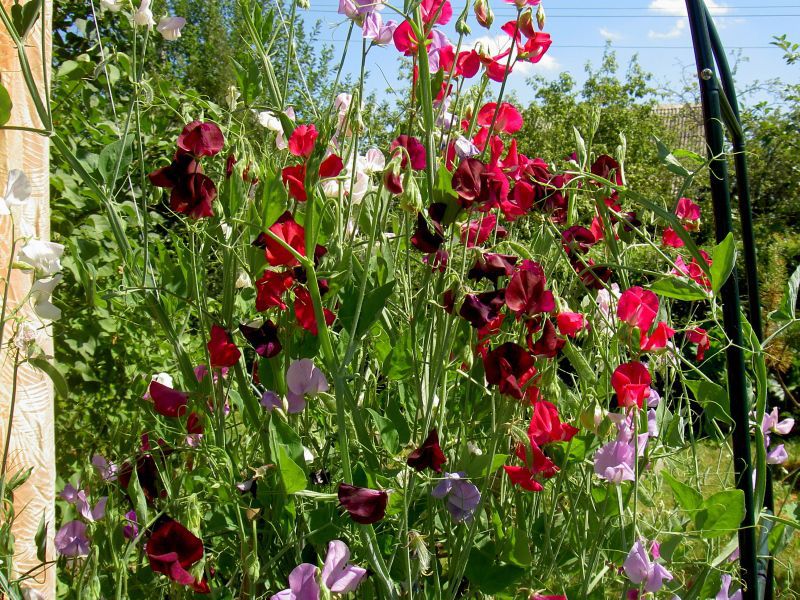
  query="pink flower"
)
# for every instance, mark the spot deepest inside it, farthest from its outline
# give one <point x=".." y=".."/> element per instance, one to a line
<point x="301" y="142"/>
<point x="658" y="339"/>
<point x="699" y="336"/>
<point x="509" y="119"/>
<point x="689" y="214"/>
<point x="570" y="323"/>
<point x="671" y="239"/>
<point x="641" y="570"/>
<point x="303" y="379"/>
<point x="631" y="382"/>
<point x="638" y="308"/>
<point x="614" y="462"/>
<point x="338" y="575"/>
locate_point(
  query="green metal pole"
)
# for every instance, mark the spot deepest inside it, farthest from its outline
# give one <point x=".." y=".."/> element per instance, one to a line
<point x="731" y="307"/>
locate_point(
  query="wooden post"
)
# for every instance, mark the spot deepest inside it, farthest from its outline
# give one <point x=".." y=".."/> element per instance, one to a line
<point x="32" y="435"/>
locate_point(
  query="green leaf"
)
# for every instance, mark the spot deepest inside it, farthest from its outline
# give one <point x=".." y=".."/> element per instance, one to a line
<point x="687" y="497"/>
<point x="136" y="495"/>
<point x="479" y="466"/>
<point x="668" y="159"/>
<point x="489" y="575"/>
<point x="5" y="105"/>
<point x="389" y="434"/>
<point x="24" y="16"/>
<point x="678" y="288"/>
<point x="580" y="146"/>
<point x="294" y="478"/>
<point x="59" y="383"/>
<point x="519" y="552"/>
<point x="41" y="540"/>
<point x="721" y="514"/>
<point x="17" y="479"/>
<point x="723" y="258"/>
<point x="399" y="364"/>
<point x="713" y="398"/>
<point x="113" y="154"/>
<point x="371" y="307"/>
<point x="787" y="311"/>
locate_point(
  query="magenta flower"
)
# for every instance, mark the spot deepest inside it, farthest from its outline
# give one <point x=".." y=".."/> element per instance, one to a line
<point x="71" y="540"/>
<point x="641" y="570"/>
<point x="166" y="401"/>
<point x="462" y="496"/>
<point x="303" y="379"/>
<point x="131" y="529"/>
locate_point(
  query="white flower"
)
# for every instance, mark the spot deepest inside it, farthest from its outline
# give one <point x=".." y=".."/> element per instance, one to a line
<point x="170" y="27"/>
<point x="18" y="191"/>
<point x="44" y="257"/>
<point x="270" y="120"/>
<point x="308" y="456"/>
<point x="143" y="17"/>
<point x="243" y="280"/>
<point x="111" y="5"/>
<point x="232" y="97"/>
<point x="474" y="449"/>
<point x="163" y="379"/>
<point x="41" y="290"/>
<point x="374" y="161"/>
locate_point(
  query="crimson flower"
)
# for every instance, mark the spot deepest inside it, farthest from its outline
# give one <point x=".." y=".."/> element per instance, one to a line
<point x="366" y="506"/>
<point x="519" y="202"/>
<point x="535" y="47"/>
<point x="536" y="467"/>
<point x="548" y="344"/>
<point x="263" y="339"/>
<point x="577" y="240"/>
<point x="271" y="288"/>
<point x="468" y="64"/>
<point x="526" y="294"/>
<point x="480" y="309"/>
<point x="699" y="336"/>
<point x="509" y="366"/>
<point x="429" y="455"/>
<point x="301" y="142"/>
<point x="172" y="549"/>
<point x="191" y="192"/>
<point x="166" y="401"/>
<point x="605" y="166"/>
<point x="304" y="311"/>
<point x="221" y="349"/>
<point x="689" y="214"/>
<point x="546" y="425"/>
<point x="638" y="308"/>
<point x="467" y="181"/>
<point x="332" y="166"/>
<point x="492" y="266"/>
<point x="631" y="381"/>
<point x="414" y="150"/>
<point x="294" y="180"/>
<point x="292" y="233"/>
<point x="201" y="139"/>
<point x="671" y="239"/>
<point x="509" y="119"/>
<point x="570" y="323"/>
<point x="658" y="339"/>
<point x="477" y="231"/>
<point x="592" y="275"/>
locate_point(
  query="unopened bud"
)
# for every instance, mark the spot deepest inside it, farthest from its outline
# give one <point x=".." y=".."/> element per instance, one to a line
<point x="304" y="4"/>
<point x="483" y="13"/>
<point x="393" y="176"/>
<point x="462" y="28"/>
<point x="525" y="23"/>
<point x="540" y="17"/>
<point x="411" y="198"/>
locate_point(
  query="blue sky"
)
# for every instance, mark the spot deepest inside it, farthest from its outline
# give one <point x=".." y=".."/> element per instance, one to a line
<point x="656" y="30"/>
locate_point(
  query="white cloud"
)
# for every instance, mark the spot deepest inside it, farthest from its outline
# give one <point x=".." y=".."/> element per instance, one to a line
<point x="497" y="44"/>
<point x="611" y="36"/>
<point x="676" y="31"/>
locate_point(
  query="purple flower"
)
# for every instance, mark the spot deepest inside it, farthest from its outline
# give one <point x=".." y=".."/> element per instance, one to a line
<point x="652" y="423"/>
<point x="462" y="496"/>
<point x="302" y="584"/>
<point x="303" y="378"/>
<point x="131" y="529"/>
<point x="107" y="470"/>
<point x="374" y="29"/>
<point x="71" y="540"/>
<point x="338" y="575"/>
<point x="640" y="569"/>
<point x="723" y="592"/>
<point x="86" y="510"/>
<point x="69" y="493"/>
<point x="270" y="400"/>
<point x="614" y="462"/>
<point x="777" y="455"/>
<point x="770" y="423"/>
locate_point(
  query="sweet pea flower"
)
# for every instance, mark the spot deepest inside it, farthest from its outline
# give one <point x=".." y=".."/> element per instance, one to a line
<point x="365" y="506"/>
<point x="107" y="470"/>
<point x="631" y="382"/>
<point x="43" y="257"/>
<point x="641" y="570"/>
<point x="638" y="308"/>
<point x="172" y="550"/>
<point x="614" y="462"/>
<point x="131" y="529"/>
<point x="87" y="511"/>
<point x="374" y="29"/>
<point x="71" y="540"/>
<point x="462" y="496"/>
<point x="170" y="27"/>
<point x="777" y="455"/>
<point x="724" y="590"/>
<point x="270" y="400"/>
<point x="40" y="293"/>
<point x="771" y="423"/>
<point x="111" y="5"/>
<point x="465" y="148"/>
<point x="143" y="17"/>
<point x="163" y="379"/>
<point x="338" y="575"/>
<point x="303" y="379"/>
<point x="221" y="349"/>
<point x="18" y="191"/>
<point x="428" y="455"/>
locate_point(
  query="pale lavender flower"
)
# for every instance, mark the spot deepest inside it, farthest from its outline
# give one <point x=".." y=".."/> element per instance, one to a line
<point x="462" y="496"/>
<point x="614" y="462"/>
<point x="106" y="470"/>
<point x="465" y="148"/>
<point x="652" y="423"/>
<point x="374" y="29"/>
<point x="302" y="584"/>
<point x="641" y="570"/>
<point x="724" y="590"/>
<point x="131" y="529"/>
<point x="653" y="399"/>
<point x="69" y="493"/>
<point x="777" y="455"/>
<point x="71" y="540"/>
<point x="303" y="379"/>
<point x="338" y="575"/>
<point x="86" y="510"/>
<point x="270" y="400"/>
<point x="771" y="423"/>
<point x="170" y="27"/>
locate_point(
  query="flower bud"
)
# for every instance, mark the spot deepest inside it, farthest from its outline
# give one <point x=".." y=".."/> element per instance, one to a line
<point x="232" y="97"/>
<point x="525" y="24"/>
<point x="411" y="198"/>
<point x="306" y="4"/>
<point x="483" y="13"/>
<point x="393" y="176"/>
<point x="462" y="27"/>
<point x="540" y="17"/>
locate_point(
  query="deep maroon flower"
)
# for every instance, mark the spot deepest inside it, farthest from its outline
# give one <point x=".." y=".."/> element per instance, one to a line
<point x="414" y="148"/>
<point x="605" y="166"/>
<point x="229" y="164"/>
<point x="271" y="288"/>
<point x="429" y="455"/>
<point x="509" y="366"/>
<point x="548" y="344"/>
<point x="263" y="339"/>
<point x="172" y="549"/>
<point x="365" y="506"/>
<point x="467" y="181"/>
<point x="191" y="192"/>
<point x="494" y="188"/>
<point x="526" y="294"/>
<point x="480" y="309"/>
<point x="221" y="349"/>
<point x="424" y="239"/>
<point x="166" y="401"/>
<point x="147" y="474"/>
<point x="492" y="266"/>
<point x="592" y="275"/>
<point x="201" y="139"/>
<point x="578" y="240"/>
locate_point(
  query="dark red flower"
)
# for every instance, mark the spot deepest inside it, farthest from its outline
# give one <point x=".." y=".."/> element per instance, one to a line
<point x="294" y="179"/>
<point x="509" y="366"/>
<point x="592" y="275"/>
<point x="201" y="139"/>
<point x="494" y="188"/>
<point x="577" y="240"/>
<point x="699" y="336"/>
<point x="526" y="294"/>
<point x="194" y="425"/>
<point x="301" y="142"/>
<point x="467" y="181"/>
<point x="631" y="381"/>
<point x="414" y="150"/>
<point x="429" y="455"/>
<point x="477" y="231"/>
<point x="424" y="239"/>
<point x="229" y="163"/>
<point x="480" y="309"/>
<point x="271" y="288"/>
<point x="606" y="167"/>
<point x="166" y="401"/>
<point x="546" y="425"/>
<point x="492" y="266"/>
<point x="221" y="349"/>
<point x="365" y="506"/>
<point x="264" y="339"/>
<point x="172" y="549"/>
<point x="304" y="311"/>
<point x="548" y="344"/>
<point x="292" y="233"/>
<point x="331" y="167"/>
<point x="147" y="474"/>
<point x="192" y="193"/>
